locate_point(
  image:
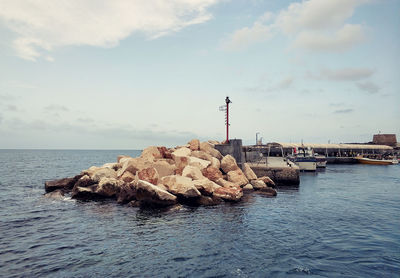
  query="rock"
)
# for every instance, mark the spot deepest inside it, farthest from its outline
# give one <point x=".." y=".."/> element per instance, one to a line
<point x="108" y="187"/>
<point x="114" y="166"/>
<point x="248" y="187"/>
<point x="149" y="174"/>
<point x="163" y="187"/>
<point x="90" y="171"/>
<point x="181" y="162"/>
<point x="248" y="172"/>
<point x="258" y="184"/>
<point x="212" y="173"/>
<point x="66" y="183"/>
<point x="127" y="177"/>
<point x="121" y="157"/>
<point x="151" y="153"/>
<point x="213" y="142"/>
<point x="208" y="201"/>
<point x="224" y="183"/>
<point x="85" y="181"/>
<point x="202" y="155"/>
<point x="164" y="167"/>
<point x="127" y="193"/>
<point x="135" y="204"/>
<point x="56" y="194"/>
<point x="133" y="165"/>
<point x="85" y="193"/>
<point x="103" y="173"/>
<point x="215" y="163"/>
<point x="237" y="177"/>
<point x="228" y="163"/>
<point x="199" y="163"/>
<point x="194" y="145"/>
<point x="267" y="181"/>
<point x="151" y="194"/>
<point x="183" y="151"/>
<point x="229" y="194"/>
<point x="165" y="153"/>
<point x="209" y="148"/>
<point x="268" y="191"/>
<point x="181" y="186"/>
<point x="192" y="172"/>
<point x="205" y="186"/>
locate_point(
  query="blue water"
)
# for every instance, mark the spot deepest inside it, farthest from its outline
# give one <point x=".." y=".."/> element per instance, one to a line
<point x="342" y="222"/>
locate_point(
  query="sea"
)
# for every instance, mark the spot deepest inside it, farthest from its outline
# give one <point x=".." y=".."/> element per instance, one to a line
<point x="343" y="221"/>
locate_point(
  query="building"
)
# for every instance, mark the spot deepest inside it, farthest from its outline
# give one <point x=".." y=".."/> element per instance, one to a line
<point x="385" y="139"/>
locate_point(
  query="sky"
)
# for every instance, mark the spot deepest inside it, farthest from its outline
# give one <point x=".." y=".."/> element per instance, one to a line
<point x="96" y="74"/>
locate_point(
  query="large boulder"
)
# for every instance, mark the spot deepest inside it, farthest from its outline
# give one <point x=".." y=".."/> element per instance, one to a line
<point x="192" y="172"/>
<point x="208" y="200"/>
<point x="164" y="168"/>
<point x="237" y="177"/>
<point x="108" y="187"/>
<point x="181" y="186"/>
<point x="127" y="193"/>
<point x="183" y="151"/>
<point x="205" y="186"/>
<point x="181" y="162"/>
<point x="248" y="172"/>
<point x="66" y="183"/>
<point x="268" y="191"/>
<point x="56" y="194"/>
<point x="151" y="194"/>
<point x="90" y="171"/>
<point x="122" y="157"/>
<point x="229" y="194"/>
<point x="209" y="148"/>
<point x="165" y="153"/>
<point x="199" y="163"/>
<point x="212" y="173"/>
<point x="114" y="166"/>
<point x="127" y="177"/>
<point x="148" y="174"/>
<point x="228" y="163"/>
<point x="103" y="173"/>
<point x="202" y="155"/>
<point x="224" y="183"/>
<point x="151" y="153"/>
<point x="258" y="184"/>
<point x="267" y="181"/>
<point x="248" y="187"/>
<point x="194" y="145"/>
<point x="133" y="165"/>
<point x="85" y="181"/>
<point x="85" y="193"/>
<point x="215" y="163"/>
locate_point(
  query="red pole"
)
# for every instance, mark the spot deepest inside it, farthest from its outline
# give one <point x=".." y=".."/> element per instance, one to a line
<point x="227" y="122"/>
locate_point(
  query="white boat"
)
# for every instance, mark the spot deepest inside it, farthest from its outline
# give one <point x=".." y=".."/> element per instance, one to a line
<point x="321" y="160"/>
<point x="304" y="158"/>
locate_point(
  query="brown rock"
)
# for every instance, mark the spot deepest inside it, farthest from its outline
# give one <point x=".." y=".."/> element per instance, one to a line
<point x="181" y="162"/>
<point x="248" y="187"/>
<point x="127" y="193"/>
<point x="215" y="163"/>
<point x="151" y="153"/>
<point x="165" y="153"/>
<point x="202" y="155"/>
<point x="85" y="181"/>
<point x="192" y="172"/>
<point x="267" y="181"/>
<point x="85" y="193"/>
<point x="56" y="194"/>
<point x="183" y="151"/>
<point x="212" y="173"/>
<point x="227" y="184"/>
<point x="205" y="186"/>
<point x="209" y="148"/>
<point x="133" y="165"/>
<point x="194" y="145"/>
<point x="153" y="195"/>
<point x="228" y="163"/>
<point x="148" y="174"/>
<point x="248" y="172"/>
<point x="268" y="191"/>
<point x="181" y="186"/>
<point x="90" y="171"/>
<point x="237" y="177"/>
<point x="103" y="173"/>
<point x="208" y="201"/>
<point x="199" y="163"/>
<point x="164" y="167"/>
<point x="108" y="187"/>
<point x="121" y="157"/>
<point x="229" y="194"/>
<point x="114" y="166"/>
<point x="66" y="183"/>
<point x="258" y="184"/>
<point x="127" y="177"/>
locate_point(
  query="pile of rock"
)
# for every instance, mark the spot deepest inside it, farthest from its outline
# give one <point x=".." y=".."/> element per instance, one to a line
<point x="195" y="174"/>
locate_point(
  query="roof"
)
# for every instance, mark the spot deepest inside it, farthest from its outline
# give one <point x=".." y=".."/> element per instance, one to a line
<point x="336" y="146"/>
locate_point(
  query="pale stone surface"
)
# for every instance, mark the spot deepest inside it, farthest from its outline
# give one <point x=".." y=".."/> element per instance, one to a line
<point x="228" y="163"/>
<point x="84" y="193"/>
<point x="149" y="174"/>
<point x="90" y="171"/>
<point x="229" y="194"/>
<point x="103" y="173"/>
<point x="192" y="172"/>
<point x="121" y="157"/>
<point x="127" y="177"/>
<point x="164" y="167"/>
<point x="225" y="183"/>
<point x="248" y="187"/>
<point x="258" y="184"/>
<point x="154" y="195"/>
<point x="212" y="173"/>
<point x="194" y="145"/>
<point x="202" y="155"/>
<point x="237" y="177"/>
<point x="133" y="165"/>
<point x="114" y="166"/>
<point x="199" y="163"/>
<point x="179" y="185"/>
<point x="215" y="163"/>
<point x="268" y="181"/>
<point x="151" y="153"/>
<point x="209" y="148"/>
<point x="205" y="186"/>
<point x="181" y="162"/>
<point x="181" y="152"/>
<point x="248" y="172"/>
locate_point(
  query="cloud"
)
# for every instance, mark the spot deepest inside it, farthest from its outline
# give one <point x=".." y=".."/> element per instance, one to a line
<point x="343" y="111"/>
<point x="56" y="108"/>
<point x="368" y="87"/>
<point x="345" y="74"/>
<point x="313" y="24"/>
<point x="44" y="25"/>
<point x="282" y="85"/>
<point x="341" y="40"/>
<point x="285" y="83"/>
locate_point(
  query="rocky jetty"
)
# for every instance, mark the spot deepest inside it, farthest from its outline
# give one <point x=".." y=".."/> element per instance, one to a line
<point x="194" y="174"/>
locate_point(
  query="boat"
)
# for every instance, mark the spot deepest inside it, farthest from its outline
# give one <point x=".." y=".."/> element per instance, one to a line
<point x="304" y="158"/>
<point x="321" y="160"/>
<point x="365" y="160"/>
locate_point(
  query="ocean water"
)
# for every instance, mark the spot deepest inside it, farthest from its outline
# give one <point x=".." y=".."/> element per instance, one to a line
<point x="341" y="222"/>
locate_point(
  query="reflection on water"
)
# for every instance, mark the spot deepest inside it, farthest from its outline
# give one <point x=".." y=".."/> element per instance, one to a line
<point x="341" y="222"/>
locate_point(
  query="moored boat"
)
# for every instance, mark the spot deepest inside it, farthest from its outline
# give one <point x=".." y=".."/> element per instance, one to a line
<point x="321" y="161"/>
<point x="365" y="160"/>
<point x="304" y="158"/>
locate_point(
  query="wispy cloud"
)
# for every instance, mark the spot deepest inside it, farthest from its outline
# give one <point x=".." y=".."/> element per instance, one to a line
<point x="345" y="74"/>
<point x="42" y="26"/>
<point x="368" y="87"/>
<point x="56" y="108"/>
<point x="343" y="111"/>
